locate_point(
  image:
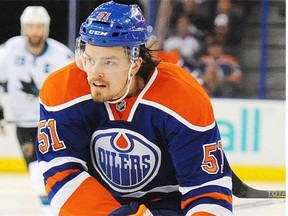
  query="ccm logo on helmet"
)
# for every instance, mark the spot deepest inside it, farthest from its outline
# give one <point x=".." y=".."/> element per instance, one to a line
<point x="98" y="33"/>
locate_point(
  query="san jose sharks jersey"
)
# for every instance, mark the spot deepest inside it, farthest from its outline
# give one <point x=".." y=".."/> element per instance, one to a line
<point x="25" y="73"/>
<point x="161" y="147"/>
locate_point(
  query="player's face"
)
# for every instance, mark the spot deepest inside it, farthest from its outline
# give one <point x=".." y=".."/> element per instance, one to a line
<point x="35" y="34"/>
<point x="107" y="71"/>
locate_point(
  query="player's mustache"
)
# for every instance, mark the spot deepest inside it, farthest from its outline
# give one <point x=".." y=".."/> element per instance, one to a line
<point x="94" y="80"/>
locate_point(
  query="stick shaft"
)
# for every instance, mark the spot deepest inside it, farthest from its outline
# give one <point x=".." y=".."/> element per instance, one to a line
<point x="241" y="190"/>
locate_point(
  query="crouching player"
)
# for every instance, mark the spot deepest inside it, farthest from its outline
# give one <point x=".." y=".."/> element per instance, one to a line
<point x="121" y="132"/>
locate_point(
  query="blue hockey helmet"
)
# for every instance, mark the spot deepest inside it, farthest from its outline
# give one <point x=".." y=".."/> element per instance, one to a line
<point x="114" y="24"/>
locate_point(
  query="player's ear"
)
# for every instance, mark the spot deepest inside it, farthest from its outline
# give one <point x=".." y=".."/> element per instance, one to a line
<point x="136" y="66"/>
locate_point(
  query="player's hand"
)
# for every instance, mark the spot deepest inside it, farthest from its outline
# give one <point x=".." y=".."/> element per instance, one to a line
<point x="134" y="209"/>
<point x="28" y="149"/>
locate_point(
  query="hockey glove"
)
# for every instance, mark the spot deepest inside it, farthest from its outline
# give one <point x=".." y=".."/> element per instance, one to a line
<point x="132" y="210"/>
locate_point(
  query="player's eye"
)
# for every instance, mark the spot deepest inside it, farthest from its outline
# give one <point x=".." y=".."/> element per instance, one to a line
<point x="108" y="62"/>
<point x="90" y="61"/>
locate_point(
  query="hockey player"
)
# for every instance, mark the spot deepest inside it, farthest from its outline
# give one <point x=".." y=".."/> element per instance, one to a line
<point x="121" y="130"/>
<point x="25" y="62"/>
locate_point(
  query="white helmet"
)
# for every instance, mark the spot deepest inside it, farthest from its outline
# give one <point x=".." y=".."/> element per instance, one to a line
<point x="35" y="14"/>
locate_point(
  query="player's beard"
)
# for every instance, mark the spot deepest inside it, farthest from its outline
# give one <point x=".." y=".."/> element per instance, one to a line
<point x="106" y="94"/>
<point x="98" y="96"/>
<point x="36" y="41"/>
<point x="103" y="96"/>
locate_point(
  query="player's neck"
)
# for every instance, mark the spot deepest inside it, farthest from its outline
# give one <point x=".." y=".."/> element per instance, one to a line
<point x="36" y="50"/>
<point x="136" y="86"/>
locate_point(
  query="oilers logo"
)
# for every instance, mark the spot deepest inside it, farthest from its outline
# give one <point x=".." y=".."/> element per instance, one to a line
<point x="126" y="160"/>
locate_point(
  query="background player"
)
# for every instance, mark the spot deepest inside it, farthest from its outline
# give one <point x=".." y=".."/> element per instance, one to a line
<point x="25" y="62"/>
<point x="123" y="128"/>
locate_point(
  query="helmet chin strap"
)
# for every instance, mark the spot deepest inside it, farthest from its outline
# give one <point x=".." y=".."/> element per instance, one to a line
<point x="128" y="84"/>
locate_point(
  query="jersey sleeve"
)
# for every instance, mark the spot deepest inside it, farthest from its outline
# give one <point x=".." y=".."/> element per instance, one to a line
<point x="61" y="149"/>
<point x="203" y="173"/>
<point x="194" y="143"/>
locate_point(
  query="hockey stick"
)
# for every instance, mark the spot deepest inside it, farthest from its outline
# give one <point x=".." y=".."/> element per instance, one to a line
<point x="241" y="190"/>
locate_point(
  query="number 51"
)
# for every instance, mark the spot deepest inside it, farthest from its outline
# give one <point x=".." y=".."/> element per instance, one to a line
<point x="43" y="138"/>
<point x="210" y="163"/>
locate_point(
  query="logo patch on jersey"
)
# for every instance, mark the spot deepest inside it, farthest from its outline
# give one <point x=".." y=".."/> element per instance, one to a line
<point x="30" y="87"/>
<point x="126" y="160"/>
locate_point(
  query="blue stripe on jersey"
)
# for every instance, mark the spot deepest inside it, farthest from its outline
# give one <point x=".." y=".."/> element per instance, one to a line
<point x="52" y="171"/>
